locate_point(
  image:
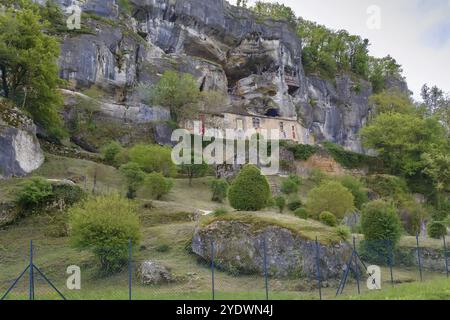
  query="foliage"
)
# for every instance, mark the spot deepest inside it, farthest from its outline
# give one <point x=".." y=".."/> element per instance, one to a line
<point x="302" y="213"/>
<point x="275" y="11"/>
<point x="68" y="194"/>
<point x="380" y="221"/>
<point x="357" y="188"/>
<point x="317" y="176"/>
<point x="328" y="218"/>
<point x="34" y="193"/>
<point x="153" y="158"/>
<point x="330" y="196"/>
<point x="219" y="188"/>
<point x="110" y="152"/>
<point x="289" y="185"/>
<point x="28" y="64"/>
<point x="302" y="152"/>
<point x="104" y="225"/>
<point x="402" y="139"/>
<point x="381" y="70"/>
<point x="348" y="159"/>
<point x="134" y="176"/>
<point x="156" y="185"/>
<point x="412" y="215"/>
<point x="250" y="190"/>
<point x="176" y="91"/>
<point x="193" y="170"/>
<point x="294" y="204"/>
<point x="125" y="6"/>
<point x="343" y="232"/>
<point x="220" y="211"/>
<point x="437" y="103"/>
<point x="280" y="203"/>
<point x="388" y="187"/>
<point x="437" y="230"/>
<point x="392" y="101"/>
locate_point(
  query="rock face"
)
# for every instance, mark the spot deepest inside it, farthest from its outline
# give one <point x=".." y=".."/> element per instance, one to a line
<point x="20" y="151"/>
<point x="8" y="213"/>
<point x="237" y="248"/>
<point x="226" y="48"/>
<point x="151" y="272"/>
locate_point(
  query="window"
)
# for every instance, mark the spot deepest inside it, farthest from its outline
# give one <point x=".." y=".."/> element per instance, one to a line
<point x="239" y="124"/>
<point x="256" y="123"/>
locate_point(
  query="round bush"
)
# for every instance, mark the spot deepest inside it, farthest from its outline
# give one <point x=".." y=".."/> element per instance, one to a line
<point x="250" y="190"/>
<point x="357" y="188"/>
<point x="380" y="222"/>
<point x="105" y="225"/>
<point x="156" y="185"/>
<point x="437" y="230"/>
<point x="289" y="186"/>
<point x="34" y="193"/>
<point x="302" y="213"/>
<point x="110" y="152"/>
<point x="330" y="196"/>
<point x="328" y="218"/>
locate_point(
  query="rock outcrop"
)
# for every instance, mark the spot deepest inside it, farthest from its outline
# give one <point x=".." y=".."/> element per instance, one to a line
<point x="20" y="151"/>
<point x="256" y="62"/>
<point x="151" y="272"/>
<point x="239" y="248"/>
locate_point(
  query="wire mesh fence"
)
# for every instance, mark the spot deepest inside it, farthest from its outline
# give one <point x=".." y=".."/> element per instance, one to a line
<point x="356" y="268"/>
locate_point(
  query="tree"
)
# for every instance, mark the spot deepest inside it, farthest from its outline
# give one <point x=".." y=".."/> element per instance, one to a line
<point x="437" y="103"/>
<point x="380" y="222"/>
<point x="177" y="91"/>
<point x="330" y="196"/>
<point x="328" y="219"/>
<point x="289" y="185"/>
<point x="153" y="158"/>
<point x="134" y="176"/>
<point x="193" y="170"/>
<point x="110" y="152"/>
<point x="392" y="101"/>
<point x="105" y="225"/>
<point x="402" y="139"/>
<point x="280" y="203"/>
<point x="437" y="230"/>
<point x="156" y="185"/>
<point x="219" y="188"/>
<point x="250" y="190"/>
<point x="275" y="11"/>
<point x="357" y="188"/>
<point x="437" y="168"/>
<point x="28" y="66"/>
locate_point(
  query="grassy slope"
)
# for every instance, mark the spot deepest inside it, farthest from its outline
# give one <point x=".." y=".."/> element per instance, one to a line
<point x="167" y="227"/>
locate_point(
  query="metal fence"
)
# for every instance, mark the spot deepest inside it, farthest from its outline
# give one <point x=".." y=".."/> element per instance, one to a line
<point x="375" y="264"/>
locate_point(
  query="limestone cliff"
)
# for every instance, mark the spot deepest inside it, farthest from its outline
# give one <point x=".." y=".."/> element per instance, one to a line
<point x="256" y="62"/>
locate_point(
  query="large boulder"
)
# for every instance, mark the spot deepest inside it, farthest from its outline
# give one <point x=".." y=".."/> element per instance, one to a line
<point x="151" y="272"/>
<point x="20" y="151"/>
<point x="239" y="247"/>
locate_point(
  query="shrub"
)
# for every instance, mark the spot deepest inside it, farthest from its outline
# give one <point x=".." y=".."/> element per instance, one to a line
<point x="388" y="187"/>
<point x="105" y="225"/>
<point x="328" y="218"/>
<point x="302" y="152"/>
<point x="437" y="230"/>
<point x="412" y="214"/>
<point x="219" y="188"/>
<point x="68" y="194"/>
<point x="156" y="185"/>
<point x="110" y="152"/>
<point x="34" y="193"/>
<point x="317" y="176"/>
<point x="330" y="196"/>
<point x="280" y="203"/>
<point x="343" y="232"/>
<point x="289" y="186"/>
<point x="347" y="159"/>
<point x="357" y="188"/>
<point x="134" y="176"/>
<point x="302" y="213"/>
<point x="294" y="205"/>
<point x="250" y="190"/>
<point x="380" y="222"/>
<point x="153" y="158"/>
<point x="163" y="248"/>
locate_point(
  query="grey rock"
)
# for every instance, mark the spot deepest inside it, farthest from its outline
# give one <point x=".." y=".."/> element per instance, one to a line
<point x="153" y="273"/>
<point x="238" y="248"/>
<point x="8" y="213"/>
<point x="163" y="134"/>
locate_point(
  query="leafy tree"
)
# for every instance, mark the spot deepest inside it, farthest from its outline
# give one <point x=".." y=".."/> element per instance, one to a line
<point x="295" y="204"/>
<point x="290" y="185"/>
<point x="330" y="196"/>
<point x="437" y="168"/>
<point x="380" y="222"/>
<point x="177" y="91"/>
<point x="280" y="203"/>
<point x="301" y="213"/>
<point x="357" y="188"/>
<point x="392" y="101"/>
<point x="193" y="170"/>
<point x="437" y="103"/>
<point x="402" y="139"/>
<point x="153" y="158"/>
<point x="134" y="176"/>
<point x="437" y="230"/>
<point x="156" y="185"/>
<point x="219" y="188"/>
<point x="105" y="225"/>
<point x="34" y="193"/>
<point x="382" y="69"/>
<point x="110" y="152"/>
<point x="275" y="11"/>
<point x="250" y="190"/>
<point x="28" y="66"/>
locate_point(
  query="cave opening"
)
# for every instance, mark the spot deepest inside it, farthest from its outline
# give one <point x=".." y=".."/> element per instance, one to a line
<point x="273" y="113"/>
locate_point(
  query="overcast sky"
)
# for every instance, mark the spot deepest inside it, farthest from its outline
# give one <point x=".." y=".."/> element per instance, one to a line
<point x="415" y="32"/>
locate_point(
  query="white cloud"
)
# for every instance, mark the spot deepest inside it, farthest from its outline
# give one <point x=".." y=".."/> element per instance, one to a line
<point x="415" y="32"/>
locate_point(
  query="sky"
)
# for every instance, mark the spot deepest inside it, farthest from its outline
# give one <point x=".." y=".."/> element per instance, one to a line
<point x="415" y="32"/>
